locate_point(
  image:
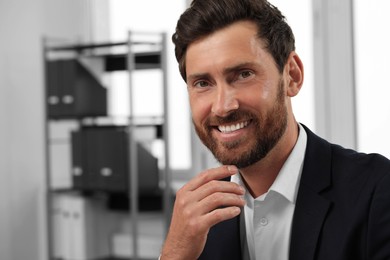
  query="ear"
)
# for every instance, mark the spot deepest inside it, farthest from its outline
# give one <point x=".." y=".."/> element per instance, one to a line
<point x="294" y="73"/>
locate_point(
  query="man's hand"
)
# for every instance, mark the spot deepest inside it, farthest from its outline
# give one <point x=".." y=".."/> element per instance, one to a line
<point x="201" y="203"/>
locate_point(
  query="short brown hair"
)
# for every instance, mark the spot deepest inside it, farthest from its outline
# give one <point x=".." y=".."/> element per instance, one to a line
<point x="204" y="17"/>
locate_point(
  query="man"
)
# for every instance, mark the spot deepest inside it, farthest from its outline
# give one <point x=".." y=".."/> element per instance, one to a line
<point x="281" y="192"/>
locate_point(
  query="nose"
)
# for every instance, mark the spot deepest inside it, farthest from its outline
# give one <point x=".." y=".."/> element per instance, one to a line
<point x="225" y="101"/>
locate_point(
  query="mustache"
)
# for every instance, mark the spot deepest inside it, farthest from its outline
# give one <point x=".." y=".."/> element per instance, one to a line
<point x="230" y="118"/>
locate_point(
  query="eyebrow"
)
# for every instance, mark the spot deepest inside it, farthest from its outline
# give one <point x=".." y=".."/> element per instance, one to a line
<point x="226" y="71"/>
<point x="237" y="67"/>
<point x="192" y="77"/>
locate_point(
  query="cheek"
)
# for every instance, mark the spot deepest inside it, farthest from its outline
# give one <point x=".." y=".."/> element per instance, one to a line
<point x="267" y="90"/>
<point x="255" y="99"/>
<point x="260" y="95"/>
<point x="200" y="109"/>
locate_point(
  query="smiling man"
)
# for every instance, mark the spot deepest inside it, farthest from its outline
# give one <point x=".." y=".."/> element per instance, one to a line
<point x="237" y="95"/>
<point x="281" y="192"/>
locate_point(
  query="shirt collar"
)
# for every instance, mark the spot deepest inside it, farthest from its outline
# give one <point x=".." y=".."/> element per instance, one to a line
<point x="287" y="181"/>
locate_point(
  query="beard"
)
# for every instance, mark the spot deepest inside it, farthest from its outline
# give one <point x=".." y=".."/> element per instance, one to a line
<point x="243" y="152"/>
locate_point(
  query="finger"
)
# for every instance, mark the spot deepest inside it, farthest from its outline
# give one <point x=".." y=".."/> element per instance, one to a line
<point x="220" y="200"/>
<point x="218" y="186"/>
<point x="211" y="174"/>
<point x="221" y="214"/>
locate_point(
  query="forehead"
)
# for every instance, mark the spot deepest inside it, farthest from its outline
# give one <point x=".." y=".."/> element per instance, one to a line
<point x="236" y="43"/>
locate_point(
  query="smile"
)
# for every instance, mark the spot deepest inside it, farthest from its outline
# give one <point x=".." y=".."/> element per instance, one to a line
<point x="231" y="128"/>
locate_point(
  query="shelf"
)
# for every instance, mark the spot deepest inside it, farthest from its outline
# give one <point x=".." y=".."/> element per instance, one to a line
<point x="74" y="92"/>
<point x="89" y="46"/>
<point x="116" y="258"/>
<point x="114" y="55"/>
<point x="152" y="202"/>
<point x="146" y="60"/>
<point x="137" y="121"/>
<point x="112" y="258"/>
<point x="83" y="47"/>
<point x="146" y="203"/>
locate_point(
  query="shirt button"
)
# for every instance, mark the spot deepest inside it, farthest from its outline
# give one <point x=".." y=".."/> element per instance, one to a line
<point x="263" y="221"/>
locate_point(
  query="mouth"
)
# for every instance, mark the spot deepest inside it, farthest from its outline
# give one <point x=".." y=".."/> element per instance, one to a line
<point x="226" y="129"/>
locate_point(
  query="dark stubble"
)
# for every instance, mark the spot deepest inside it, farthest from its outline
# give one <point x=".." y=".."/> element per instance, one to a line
<point x="269" y="129"/>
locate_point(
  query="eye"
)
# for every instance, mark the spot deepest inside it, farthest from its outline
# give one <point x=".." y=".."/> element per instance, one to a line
<point x="201" y="84"/>
<point x="245" y="74"/>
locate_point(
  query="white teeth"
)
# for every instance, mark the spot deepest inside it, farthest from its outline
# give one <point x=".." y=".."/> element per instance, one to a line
<point x="232" y="128"/>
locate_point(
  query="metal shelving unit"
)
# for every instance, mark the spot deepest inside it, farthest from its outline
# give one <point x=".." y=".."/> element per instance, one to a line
<point x="130" y="55"/>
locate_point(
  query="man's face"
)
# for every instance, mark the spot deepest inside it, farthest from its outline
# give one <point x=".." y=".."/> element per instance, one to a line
<point x="237" y="95"/>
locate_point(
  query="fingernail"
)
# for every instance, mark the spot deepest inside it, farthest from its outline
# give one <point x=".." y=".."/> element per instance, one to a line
<point x="236" y="211"/>
<point x="232" y="169"/>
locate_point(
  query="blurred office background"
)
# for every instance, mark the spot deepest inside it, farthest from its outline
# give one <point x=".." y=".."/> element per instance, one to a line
<point x="343" y="45"/>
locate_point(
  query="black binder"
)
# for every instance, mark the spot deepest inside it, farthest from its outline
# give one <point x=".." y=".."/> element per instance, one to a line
<point x="73" y="91"/>
<point x="103" y="155"/>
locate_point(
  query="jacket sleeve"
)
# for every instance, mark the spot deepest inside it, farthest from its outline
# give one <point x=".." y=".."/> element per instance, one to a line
<point x="378" y="233"/>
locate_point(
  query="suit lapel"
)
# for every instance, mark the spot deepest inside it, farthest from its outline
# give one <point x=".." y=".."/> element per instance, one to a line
<point x="307" y="224"/>
<point x="311" y="208"/>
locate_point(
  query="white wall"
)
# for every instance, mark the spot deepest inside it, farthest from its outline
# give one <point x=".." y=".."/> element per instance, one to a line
<point x="22" y="170"/>
<point x="4" y="178"/>
<point x="372" y="41"/>
<point x="334" y="71"/>
<point x="299" y="16"/>
<point x="22" y="164"/>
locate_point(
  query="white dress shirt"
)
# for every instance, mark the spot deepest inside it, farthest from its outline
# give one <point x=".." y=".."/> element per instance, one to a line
<point x="266" y="220"/>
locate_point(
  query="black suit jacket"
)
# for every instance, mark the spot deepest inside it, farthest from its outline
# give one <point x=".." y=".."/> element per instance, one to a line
<point x="342" y="209"/>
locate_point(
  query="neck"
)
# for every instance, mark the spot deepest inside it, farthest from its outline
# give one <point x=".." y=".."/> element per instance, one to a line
<point x="259" y="177"/>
